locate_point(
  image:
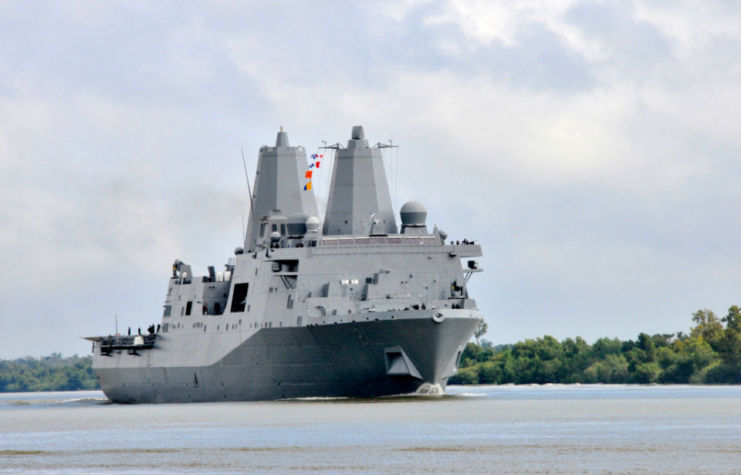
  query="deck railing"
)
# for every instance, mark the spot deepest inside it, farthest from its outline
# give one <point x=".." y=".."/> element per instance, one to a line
<point x="380" y="240"/>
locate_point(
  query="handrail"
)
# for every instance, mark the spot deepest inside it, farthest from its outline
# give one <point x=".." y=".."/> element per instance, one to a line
<point x="379" y="240"/>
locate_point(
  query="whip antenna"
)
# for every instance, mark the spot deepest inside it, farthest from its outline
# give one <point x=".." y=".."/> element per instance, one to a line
<point x="249" y="188"/>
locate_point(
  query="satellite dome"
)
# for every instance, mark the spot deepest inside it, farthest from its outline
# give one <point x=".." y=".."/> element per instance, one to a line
<point x="312" y="224"/>
<point x="297" y="224"/>
<point x="413" y="214"/>
<point x="443" y="235"/>
<point x="275" y="236"/>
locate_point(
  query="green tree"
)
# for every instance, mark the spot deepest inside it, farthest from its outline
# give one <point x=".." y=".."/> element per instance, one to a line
<point x="733" y="319"/>
<point x="490" y="373"/>
<point x="606" y="346"/>
<point x="612" y="370"/>
<point x="646" y="373"/>
<point x="470" y="355"/>
<point x="708" y="326"/>
<point x="646" y="344"/>
<point x="50" y="373"/>
<point x="729" y="350"/>
<point x="710" y="353"/>
<point x="466" y="376"/>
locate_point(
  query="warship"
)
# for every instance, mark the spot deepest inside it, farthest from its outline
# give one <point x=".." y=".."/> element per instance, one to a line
<point x="351" y="306"/>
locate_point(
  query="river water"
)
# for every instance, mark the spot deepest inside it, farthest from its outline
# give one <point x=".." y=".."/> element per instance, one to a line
<point x="481" y="429"/>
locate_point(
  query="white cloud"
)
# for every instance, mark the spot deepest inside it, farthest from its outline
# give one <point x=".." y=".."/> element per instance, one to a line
<point x="484" y="22"/>
<point x="693" y="24"/>
<point x="614" y="137"/>
<point x="85" y="191"/>
<point x="399" y="9"/>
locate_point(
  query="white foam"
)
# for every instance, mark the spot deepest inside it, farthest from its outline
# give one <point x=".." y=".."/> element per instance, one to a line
<point x="428" y="389"/>
<point x="84" y="399"/>
<point x="315" y="398"/>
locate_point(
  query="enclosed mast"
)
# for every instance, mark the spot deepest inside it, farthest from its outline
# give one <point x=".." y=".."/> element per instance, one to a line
<point x="279" y="191"/>
<point x="359" y="199"/>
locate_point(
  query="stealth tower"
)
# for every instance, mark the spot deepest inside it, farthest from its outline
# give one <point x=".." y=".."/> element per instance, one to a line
<point x="354" y="307"/>
<point x="278" y="191"/>
<point x="359" y="198"/>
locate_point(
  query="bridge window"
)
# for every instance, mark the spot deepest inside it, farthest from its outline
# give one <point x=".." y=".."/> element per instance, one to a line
<point x="188" y="308"/>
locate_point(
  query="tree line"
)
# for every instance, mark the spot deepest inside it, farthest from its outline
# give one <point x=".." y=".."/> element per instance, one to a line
<point x="48" y="373"/>
<point x="709" y="354"/>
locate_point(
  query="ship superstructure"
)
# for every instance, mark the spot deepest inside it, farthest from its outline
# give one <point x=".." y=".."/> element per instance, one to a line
<point x="353" y="306"/>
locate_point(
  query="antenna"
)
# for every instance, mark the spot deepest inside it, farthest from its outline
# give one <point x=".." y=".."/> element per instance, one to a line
<point x="396" y="177"/>
<point x="321" y="186"/>
<point x="335" y="146"/>
<point x="243" y="231"/>
<point x="249" y="188"/>
<point x="396" y="180"/>
<point x="392" y="172"/>
<point x="116" y="324"/>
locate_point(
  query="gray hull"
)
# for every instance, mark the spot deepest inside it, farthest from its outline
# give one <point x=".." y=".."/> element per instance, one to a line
<point x="342" y="360"/>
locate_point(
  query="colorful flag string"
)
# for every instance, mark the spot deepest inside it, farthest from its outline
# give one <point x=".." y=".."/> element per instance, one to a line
<point x="314" y="163"/>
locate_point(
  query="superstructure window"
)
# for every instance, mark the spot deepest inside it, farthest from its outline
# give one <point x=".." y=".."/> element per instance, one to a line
<point x="168" y="311"/>
<point x="239" y="300"/>
<point x="188" y="307"/>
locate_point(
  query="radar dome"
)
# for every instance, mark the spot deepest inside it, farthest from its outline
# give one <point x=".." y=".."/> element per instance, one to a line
<point x="413" y="214"/>
<point x="275" y="236"/>
<point x="312" y="224"/>
<point x="443" y="235"/>
<point x="297" y="224"/>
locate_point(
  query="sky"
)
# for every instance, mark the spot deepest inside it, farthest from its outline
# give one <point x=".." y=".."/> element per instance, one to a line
<point x="592" y="148"/>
